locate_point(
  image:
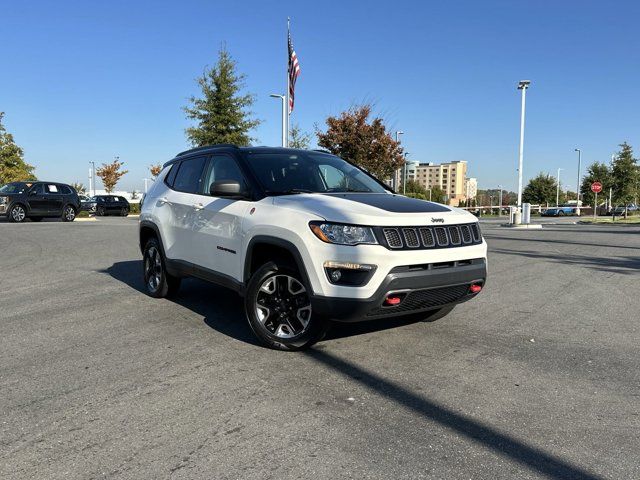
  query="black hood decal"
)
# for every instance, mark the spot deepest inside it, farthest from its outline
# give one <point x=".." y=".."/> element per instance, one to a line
<point x="393" y="203"/>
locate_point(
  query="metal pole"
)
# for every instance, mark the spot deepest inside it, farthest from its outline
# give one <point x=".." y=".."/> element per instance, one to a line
<point x="93" y="174"/>
<point x="404" y="174"/>
<point x="558" y="187"/>
<point x="429" y="194"/>
<point x="595" y="206"/>
<point x="500" y="207"/>
<point x="578" y="186"/>
<point x="396" y="174"/>
<point x="523" y="85"/>
<point x="283" y="100"/>
<point x="288" y="113"/>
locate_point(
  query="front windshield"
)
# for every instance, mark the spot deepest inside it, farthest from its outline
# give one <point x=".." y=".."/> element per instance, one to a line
<point x="309" y="172"/>
<point x="13" y="188"/>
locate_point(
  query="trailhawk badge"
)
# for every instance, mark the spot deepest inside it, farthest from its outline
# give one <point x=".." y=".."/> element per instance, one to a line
<point x="437" y="220"/>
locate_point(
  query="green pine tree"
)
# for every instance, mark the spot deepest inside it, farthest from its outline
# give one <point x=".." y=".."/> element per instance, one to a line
<point x="597" y="172"/>
<point x="540" y="190"/>
<point x="221" y="114"/>
<point x="625" y="176"/>
<point x="13" y="168"/>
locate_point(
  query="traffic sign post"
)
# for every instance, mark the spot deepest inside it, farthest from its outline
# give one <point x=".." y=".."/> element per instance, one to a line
<point x="596" y="187"/>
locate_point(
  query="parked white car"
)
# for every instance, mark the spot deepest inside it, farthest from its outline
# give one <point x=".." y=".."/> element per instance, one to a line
<point x="306" y="238"/>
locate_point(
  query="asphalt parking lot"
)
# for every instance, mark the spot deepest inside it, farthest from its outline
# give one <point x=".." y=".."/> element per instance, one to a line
<point x="539" y="377"/>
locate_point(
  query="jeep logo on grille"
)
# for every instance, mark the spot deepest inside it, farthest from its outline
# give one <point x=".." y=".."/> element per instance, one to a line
<point x="437" y="220"/>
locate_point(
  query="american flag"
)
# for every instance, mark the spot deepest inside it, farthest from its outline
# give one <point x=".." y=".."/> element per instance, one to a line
<point x="294" y="71"/>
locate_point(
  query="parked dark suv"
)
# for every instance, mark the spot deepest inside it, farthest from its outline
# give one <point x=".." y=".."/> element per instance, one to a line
<point x="38" y="200"/>
<point x="103" y="205"/>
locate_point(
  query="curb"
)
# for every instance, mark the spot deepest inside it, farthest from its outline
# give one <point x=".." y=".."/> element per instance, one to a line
<point x="86" y="219"/>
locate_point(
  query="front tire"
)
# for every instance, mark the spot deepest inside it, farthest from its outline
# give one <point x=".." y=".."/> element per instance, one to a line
<point x="278" y="308"/>
<point x="17" y="214"/>
<point x="100" y="212"/>
<point x="158" y="282"/>
<point x="68" y="214"/>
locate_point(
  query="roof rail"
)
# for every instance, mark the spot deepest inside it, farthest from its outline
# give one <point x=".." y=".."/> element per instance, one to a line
<point x="322" y="150"/>
<point x="206" y="147"/>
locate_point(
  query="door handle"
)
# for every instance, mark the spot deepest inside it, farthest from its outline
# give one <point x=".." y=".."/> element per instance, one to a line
<point x="198" y="206"/>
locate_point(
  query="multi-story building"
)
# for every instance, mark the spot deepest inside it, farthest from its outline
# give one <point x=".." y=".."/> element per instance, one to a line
<point x="471" y="188"/>
<point x="450" y="177"/>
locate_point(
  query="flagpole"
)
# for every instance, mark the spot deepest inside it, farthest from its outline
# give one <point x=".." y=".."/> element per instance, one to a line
<point x="288" y="85"/>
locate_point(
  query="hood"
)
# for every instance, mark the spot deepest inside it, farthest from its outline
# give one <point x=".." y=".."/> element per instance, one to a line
<point x="374" y="209"/>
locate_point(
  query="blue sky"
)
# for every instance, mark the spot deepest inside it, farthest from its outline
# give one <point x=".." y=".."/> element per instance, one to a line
<point x="87" y="81"/>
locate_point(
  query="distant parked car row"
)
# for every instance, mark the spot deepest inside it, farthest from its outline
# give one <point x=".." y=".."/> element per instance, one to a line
<point x="102" y="205"/>
<point x="559" y="211"/>
<point x="37" y="200"/>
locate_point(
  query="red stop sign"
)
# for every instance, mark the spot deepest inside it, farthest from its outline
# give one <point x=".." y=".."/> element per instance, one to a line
<point x="596" y="187"/>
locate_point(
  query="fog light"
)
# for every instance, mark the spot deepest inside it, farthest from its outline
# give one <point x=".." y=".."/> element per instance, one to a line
<point x="336" y="275"/>
<point x="475" y="288"/>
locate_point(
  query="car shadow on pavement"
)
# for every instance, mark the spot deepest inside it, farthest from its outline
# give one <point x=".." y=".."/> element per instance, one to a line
<point x="515" y="449"/>
<point x="223" y="310"/>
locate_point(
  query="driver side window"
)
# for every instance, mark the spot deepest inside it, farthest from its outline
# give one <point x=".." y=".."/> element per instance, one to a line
<point x="223" y="167"/>
<point x="333" y="177"/>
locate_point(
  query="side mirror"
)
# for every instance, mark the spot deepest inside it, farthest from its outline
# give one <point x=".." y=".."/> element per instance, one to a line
<point x="226" y="189"/>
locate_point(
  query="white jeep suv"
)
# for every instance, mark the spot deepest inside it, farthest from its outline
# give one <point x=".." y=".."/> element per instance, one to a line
<point x="305" y="237"/>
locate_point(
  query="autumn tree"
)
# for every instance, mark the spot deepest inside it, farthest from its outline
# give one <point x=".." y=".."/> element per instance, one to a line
<point x="110" y="174"/>
<point x="363" y="141"/>
<point x="13" y="168"/>
<point x="541" y="189"/>
<point x="155" y="170"/>
<point x="221" y="113"/>
<point x="298" y="138"/>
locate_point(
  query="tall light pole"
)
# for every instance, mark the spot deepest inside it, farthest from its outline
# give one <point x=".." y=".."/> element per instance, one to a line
<point x="558" y="187"/>
<point x="578" y="186"/>
<point x="404" y="174"/>
<point x="283" y="98"/>
<point x="500" y="201"/>
<point x="396" y="174"/>
<point x="93" y="177"/>
<point x="522" y="85"/>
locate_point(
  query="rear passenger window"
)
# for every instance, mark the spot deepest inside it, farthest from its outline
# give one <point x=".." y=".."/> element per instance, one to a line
<point x="189" y="176"/>
<point x="171" y="176"/>
<point x="49" y="188"/>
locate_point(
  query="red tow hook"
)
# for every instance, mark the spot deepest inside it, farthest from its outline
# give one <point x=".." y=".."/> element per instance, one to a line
<point x="475" y="288"/>
<point x="392" y="300"/>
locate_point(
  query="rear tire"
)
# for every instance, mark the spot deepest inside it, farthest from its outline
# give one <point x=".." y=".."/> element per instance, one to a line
<point x="68" y="213"/>
<point x="278" y="308"/>
<point x="158" y="282"/>
<point x="124" y="212"/>
<point x="17" y="214"/>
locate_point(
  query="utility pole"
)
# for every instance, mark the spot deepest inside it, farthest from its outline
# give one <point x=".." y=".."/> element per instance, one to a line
<point x="283" y="98"/>
<point x="578" y="186"/>
<point x="522" y="85"/>
<point x="500" y="201"/>
<point x="558" y="187"/>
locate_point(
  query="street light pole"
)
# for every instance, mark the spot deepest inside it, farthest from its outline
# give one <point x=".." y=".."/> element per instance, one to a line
<point x="578" y="186"/>
<point x="500" y="201"/>
<point x="522" y="85"/>
<point x="93" y="177"/>
<point x="558" y="187"/>
<point x="396" y="174"/>
<point x="283" y="98"/>
<point x="404" y="174"/>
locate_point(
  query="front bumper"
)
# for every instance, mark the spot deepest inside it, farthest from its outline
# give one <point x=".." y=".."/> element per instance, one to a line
<point x="3" y="209"/>
<point x="424" y="288"/>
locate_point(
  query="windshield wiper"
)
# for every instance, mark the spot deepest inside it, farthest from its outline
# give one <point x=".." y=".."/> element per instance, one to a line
<point x="291" y="191"/>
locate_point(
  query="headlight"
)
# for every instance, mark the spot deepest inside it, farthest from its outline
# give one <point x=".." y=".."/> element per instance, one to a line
<point x="341" y="234"/>
<point x="4" y="200"/>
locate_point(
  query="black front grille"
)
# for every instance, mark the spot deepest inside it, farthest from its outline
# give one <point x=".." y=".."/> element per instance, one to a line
<point x="466" y="233"/>
<point x="424" y="299"/>
<point x="407" y="238"/>
<point x="454" y="235"/>
<point x="392" y="237"/>
<point x="410" y="238"/>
